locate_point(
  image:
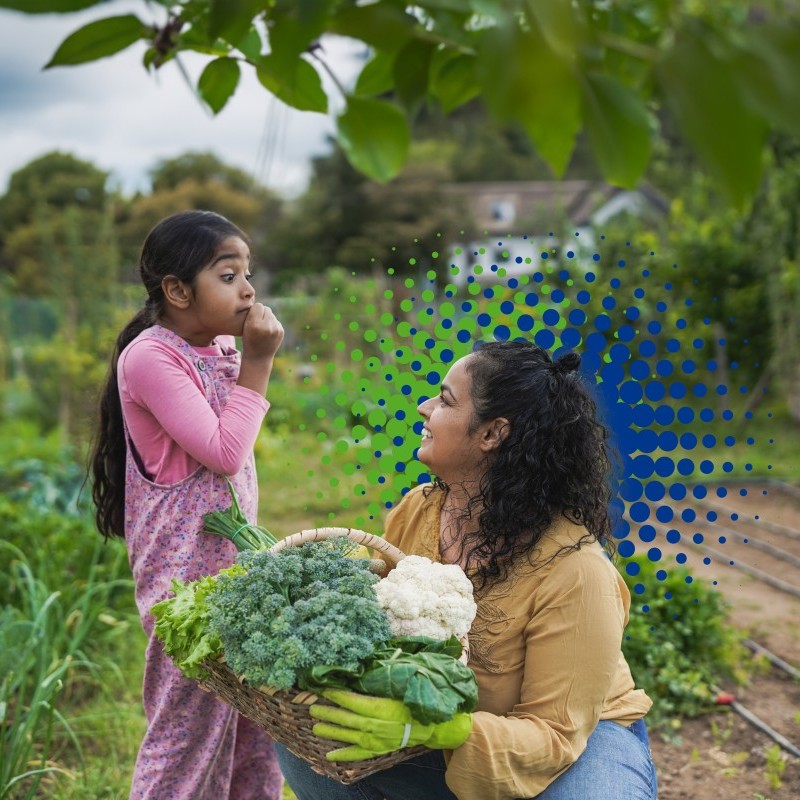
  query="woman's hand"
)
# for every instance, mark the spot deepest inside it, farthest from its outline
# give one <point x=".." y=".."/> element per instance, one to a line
<point x="376" y="725"/>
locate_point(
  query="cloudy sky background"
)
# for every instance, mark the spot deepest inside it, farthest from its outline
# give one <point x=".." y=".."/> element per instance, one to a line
<point x="124" y="120"/>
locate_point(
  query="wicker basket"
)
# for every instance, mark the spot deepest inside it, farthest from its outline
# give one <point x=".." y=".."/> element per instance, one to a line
<point x="284" y="715"/>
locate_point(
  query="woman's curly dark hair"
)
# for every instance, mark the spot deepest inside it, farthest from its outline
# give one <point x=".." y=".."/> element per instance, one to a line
<point x="554" y="459"/>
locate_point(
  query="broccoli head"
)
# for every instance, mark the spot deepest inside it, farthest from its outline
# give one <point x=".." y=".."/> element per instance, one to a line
<point x="298" y="608"/>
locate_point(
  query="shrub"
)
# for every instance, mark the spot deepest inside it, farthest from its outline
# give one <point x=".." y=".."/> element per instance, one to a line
<point x="678" y="642"/>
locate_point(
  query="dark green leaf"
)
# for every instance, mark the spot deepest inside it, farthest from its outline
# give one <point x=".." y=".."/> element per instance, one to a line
<point x="768" y="69"/>
<point x="618" y="127"/>
<point x="411" y="69"/>
<point x="442" y="5"/>
<point x="376" y="77"/>
<point x="430" y="698"/>
<point x="312" y="13"/>
<point x="384" y="26"/>
<point x="417" y="644"/>
<point x="48" y="6"/>
<point x="250" y="45"/>
<point x="218" y="81"/>
<point x="298" y="84"/>
<point x="523" y="79"/>
<point x="455" y="82"/>
<point x="232" y="19"/>
<point x="374" y="136"/>
<point x="434" y="686"/>
<point x="99" y="39"/>
<point x="329" y="677"/>
<point x="725" y="132"/>
<point x="288" y="38"/>
<point x="557" y="25"/>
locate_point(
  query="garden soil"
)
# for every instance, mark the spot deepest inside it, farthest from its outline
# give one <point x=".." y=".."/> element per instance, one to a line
<point x="721" y="756"/>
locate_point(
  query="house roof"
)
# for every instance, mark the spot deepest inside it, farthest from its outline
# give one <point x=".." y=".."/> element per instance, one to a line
<point x="498" y="205"/>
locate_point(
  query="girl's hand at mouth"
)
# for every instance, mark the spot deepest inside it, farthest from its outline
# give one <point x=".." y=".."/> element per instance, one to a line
<point x="262" y="333"/>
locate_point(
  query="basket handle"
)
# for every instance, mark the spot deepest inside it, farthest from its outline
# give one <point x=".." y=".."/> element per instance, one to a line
<point x="389" y="551"/>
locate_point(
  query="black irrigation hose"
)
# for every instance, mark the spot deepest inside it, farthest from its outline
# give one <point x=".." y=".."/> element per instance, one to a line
<point x="758" y="544"/>
<point x="724" y="699"/>
<point x="773" y="527"/>
<point x="784" y="486"/>
<point x="772" y="658"/>
<point x="764" y="577"/>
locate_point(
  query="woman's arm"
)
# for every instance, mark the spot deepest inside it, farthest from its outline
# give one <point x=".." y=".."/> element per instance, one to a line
<point x="571" y="656"/>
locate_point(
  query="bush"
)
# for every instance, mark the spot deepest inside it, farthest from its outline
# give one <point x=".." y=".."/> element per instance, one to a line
<point x="66" y="613"/>
<point x="678" y="643"/>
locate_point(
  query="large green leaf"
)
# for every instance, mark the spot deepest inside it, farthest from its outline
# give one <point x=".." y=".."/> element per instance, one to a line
<point x="456" y="6"/>
<point x="454" y="82"/>
<point x="382" y="25"/>
<point x="374" y="136"/>
<point x="377" y="76"/>
<point x="218" y="81"/>
<point x="522" y="79"/>
<point x="557" y="24"/>
<point x="618" y="127"/>
<point x="297" y="83"/>
<point x="724" y="131"/>
<point x="99" y="39"/>
<point x="768" y="70"/>
<point x="231" y="19"/>
<point x="411" y="69"/>
<point x="250" y="45"/>
<point x="288" y="38"/>
<point x="48" y="6"/>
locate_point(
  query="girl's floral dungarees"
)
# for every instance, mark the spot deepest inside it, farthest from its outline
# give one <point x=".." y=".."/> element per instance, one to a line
<point x="196" y="747"/>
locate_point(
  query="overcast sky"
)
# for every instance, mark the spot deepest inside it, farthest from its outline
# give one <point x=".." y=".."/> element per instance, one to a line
<point x="122" y="119"/>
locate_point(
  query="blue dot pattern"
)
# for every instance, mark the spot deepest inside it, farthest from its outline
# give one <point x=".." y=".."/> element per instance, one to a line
<point x="655" y="380"/>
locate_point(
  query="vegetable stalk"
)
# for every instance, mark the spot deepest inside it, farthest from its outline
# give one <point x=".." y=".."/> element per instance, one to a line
<point x="234" y="526"/>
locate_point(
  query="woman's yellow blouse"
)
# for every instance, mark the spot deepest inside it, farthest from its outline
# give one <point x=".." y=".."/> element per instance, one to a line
<point x="545" y="647"/>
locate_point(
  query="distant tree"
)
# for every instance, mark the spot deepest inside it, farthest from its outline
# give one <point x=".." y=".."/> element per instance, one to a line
<point x="345" y="220"/>
<point x="49" y="202"/>
<point x="57" y="180"/>
<point x="60" y="251"/>
<point x="203" y="181"/>
<point x="734" y="275"/>
<point x="330" y="211"/>
<point x="169" y="173"/>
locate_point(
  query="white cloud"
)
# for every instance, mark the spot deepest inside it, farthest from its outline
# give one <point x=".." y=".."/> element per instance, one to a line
<point x="123" y="119"/>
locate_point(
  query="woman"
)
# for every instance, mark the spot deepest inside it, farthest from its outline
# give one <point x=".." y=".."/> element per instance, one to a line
<point x="520" y="501"/>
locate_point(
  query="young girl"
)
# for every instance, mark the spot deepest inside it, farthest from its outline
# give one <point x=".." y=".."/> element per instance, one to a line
<point x="180" y="411"/>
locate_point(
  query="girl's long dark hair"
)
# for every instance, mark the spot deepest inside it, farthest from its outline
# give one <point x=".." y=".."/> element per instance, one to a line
<point x="554" y="460"/>
<point x="180" y="245"/>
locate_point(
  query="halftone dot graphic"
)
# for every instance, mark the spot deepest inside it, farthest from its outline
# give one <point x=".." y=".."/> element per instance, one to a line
<point x="653" y="363"/>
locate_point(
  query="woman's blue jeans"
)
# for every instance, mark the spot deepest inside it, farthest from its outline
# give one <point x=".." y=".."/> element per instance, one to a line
<point x="616" y="765"/>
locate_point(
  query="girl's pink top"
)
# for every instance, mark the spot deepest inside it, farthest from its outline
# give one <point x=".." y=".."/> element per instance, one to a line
<point x="169" y="419"/>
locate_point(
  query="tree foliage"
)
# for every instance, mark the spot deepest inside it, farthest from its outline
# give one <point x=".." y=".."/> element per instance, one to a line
<point x="727" y="72"/>
<point x="201" y="180"/>
<point x="57" y="180"/>
<point x="345" y="220"/>
<point x="68" y="248"/>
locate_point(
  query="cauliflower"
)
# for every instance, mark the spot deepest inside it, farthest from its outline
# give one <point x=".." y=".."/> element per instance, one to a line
<point x="424" y="598"/>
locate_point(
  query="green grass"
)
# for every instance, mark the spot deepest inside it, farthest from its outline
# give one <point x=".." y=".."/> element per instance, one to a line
<point x="304" y="483"/>
<point x="110" y="726"/>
